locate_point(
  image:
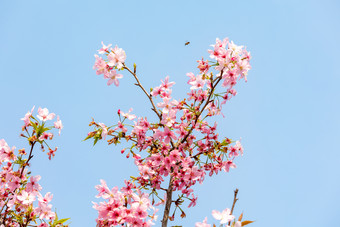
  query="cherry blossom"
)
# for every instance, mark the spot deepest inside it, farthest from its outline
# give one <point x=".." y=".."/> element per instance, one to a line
<point x="202" y="224"/>
<point x="44" y="114"/>
<point x="21" y="203"/>
<point x="26" y="198"/>
<point x="104" y="130"/>
<point x="58" y="125"/>
<point x="27" y="117"/>
<point x="182" y="147"/>
<point x="223" y="216"/>
<point x="113" y="77"/>
<point x="116" y="57"/>
<point x="104" y="49"/>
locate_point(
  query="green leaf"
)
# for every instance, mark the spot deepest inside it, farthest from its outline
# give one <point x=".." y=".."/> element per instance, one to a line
<point x="95" y="141"/>
<point x="34" y="126"/>
<point x="20" y="161"/>
<point x="61" y="221"/>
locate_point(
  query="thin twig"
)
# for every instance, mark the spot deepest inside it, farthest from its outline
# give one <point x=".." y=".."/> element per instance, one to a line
<point x="29" y="158"/>
<point x="205" y="105"/>
<point x="141" y="86"/>
<point x="234" y="202"/>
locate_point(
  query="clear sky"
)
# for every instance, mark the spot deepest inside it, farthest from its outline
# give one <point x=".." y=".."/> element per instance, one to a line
<point x="287" y="113"/>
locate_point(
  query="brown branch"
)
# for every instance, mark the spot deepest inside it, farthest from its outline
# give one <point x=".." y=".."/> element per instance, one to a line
<point x="205" y="105"/>
<point x="29" y="158"/>
<point x="170" y="189"/>
<point x="167" y="204"/>
<point x="146" y="93"/>
<point x="234" y="202"/>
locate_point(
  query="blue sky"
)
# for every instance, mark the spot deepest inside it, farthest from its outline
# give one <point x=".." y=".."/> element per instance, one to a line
<point x="287" y="113"/>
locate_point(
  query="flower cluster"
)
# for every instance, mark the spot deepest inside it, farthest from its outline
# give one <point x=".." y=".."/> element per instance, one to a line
<point x="128" y="206"/>
<point x="40" y="132"/>
<point x="21" y="201"/>
<point x="115" y="58"/>
<point x="183" y="145"/>
<point x="226" y="219"/>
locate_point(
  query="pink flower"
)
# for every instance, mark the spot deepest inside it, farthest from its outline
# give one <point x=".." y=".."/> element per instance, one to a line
<point x="13" y="182"/>
<point x="203" y="66"/>
<point x="239" y="147"/>
<point x="223" y="216"/>
<point x="140" y="212"/>
<point x="26" y="198"/>
<point x="44" y="211"/>
<point x="236" y="49"/>
<point x="104" y="130"/>
<point x="120" y="126"/>
<point x="227" y="165"/>
<point x="141" y="200"/>
<point x="27" y="117"/>
<point x="113" y="77"/>
<point x="167" y="105"/>
<point x="128" y="189"/>
<point x="6" y="153"/>
<point x="104" y="49"/>
<point x="51" y="153"/>
<point x="203" y="224"/>
<point x="43" y="225"/>
<point x="166" y="84"/>
<point x="191" y="76"/>
<point x="128" y="115"/>
<point x="233" y="152"/>
<point x="102" y="189"/>
<point x="116" y="57"/>
<point x="46" y="136"/>
<point x="33" y="184"/>
<point x="197" y="83"/>
<point x="169" y="118"/>
<point x="168" y="134"/>
<point x="58" y="125"/>
<point x="44" y="114"/>
<point x="46" y="199"/>
<point x="100" y="65"/>
<point x="193" y="201"/>
<point x="219" y="49"/>
<point x="156" y="91"/>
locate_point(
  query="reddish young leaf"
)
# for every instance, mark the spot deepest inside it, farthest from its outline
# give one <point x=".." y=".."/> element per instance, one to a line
<point x="246" y="222"/>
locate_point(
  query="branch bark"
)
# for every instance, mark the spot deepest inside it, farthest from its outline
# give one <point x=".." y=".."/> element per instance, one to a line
<point x="167" y="204"/>
<point x="234" y="202"/>
<point x="147" y="94"/>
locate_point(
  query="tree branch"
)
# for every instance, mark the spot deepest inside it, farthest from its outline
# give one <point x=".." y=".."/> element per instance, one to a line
<point x="29" y="158"/>
<point x="167" y="204"/>
<point x="234" y="202"/>
<point x="141" y="86"/>
<point x="205" y="105"/>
